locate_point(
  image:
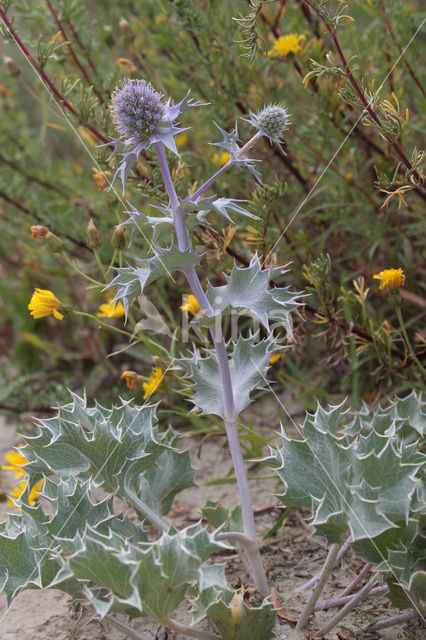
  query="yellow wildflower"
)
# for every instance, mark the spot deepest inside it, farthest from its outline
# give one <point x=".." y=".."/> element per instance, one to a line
<point x="100" y="179"/>
<point x="160" y="17"/>
<point x="181" y="139"/>
<point x="221" y="158"/>
<point x="274" y="358"/>
<point x="190" y="303"/>
<point x="17" y="492"/>
<point x="44" y="303"/>
<point x="287" y="44"/>
<point x="131" y="378"/>
<point x="126" y="64"/>
<point x="391" y="279"/>
<point x="349" y="175"/>
<point x="16" y="461"/>
<point x="155" y="381"/>
<point x="110" y="309"/>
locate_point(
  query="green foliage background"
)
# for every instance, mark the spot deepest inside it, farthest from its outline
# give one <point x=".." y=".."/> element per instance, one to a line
<point x="324" y="206"/>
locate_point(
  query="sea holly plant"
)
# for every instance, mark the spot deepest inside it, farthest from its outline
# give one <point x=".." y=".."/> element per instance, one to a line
<point x="360" y="474"/>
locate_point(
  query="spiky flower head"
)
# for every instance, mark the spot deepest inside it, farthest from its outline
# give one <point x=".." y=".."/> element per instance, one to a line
<point x="272" y="121"/>
<point x="142" y="118"/>
<point x="137" y="111"/>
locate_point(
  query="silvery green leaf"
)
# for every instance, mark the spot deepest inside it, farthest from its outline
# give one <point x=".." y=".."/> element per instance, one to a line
<point x="315" y="472"/>
<point x="394" y="479"/>
<point x="173" y="473"/>
<point x="235" y="620"/>
<point x="230" y="144"/>
<point x="219" y="516"/>
<point x="248" y="363"/>
<point x="113" y="447"/>
<point x="130" y="282"/>
<point x="247" y="291"/>
<point x="151" y="578"/>
<point x="28" y="542"/>
<point x="223" y="205"/>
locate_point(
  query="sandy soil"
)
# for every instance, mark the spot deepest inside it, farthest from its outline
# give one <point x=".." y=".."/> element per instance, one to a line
<point x="291" y="558"/>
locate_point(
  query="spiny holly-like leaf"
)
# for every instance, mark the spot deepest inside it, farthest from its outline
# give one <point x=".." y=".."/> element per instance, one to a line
<point x="405" y="571"/>
<point x="247" y="291"/>
<point x="218" y="516"/>
<point x="28" y="542"/>
<point x="348" y="480"/>
<point x="405" y="417"/>
<point x="248" y="363"/>
<point x="130" y="282"/>
<point x="235" y="620"/>
<point x="149" y="578"/>
<point x="114" y="447"/>
<point x="315" y="472"/>
<point x="173" y="473"/>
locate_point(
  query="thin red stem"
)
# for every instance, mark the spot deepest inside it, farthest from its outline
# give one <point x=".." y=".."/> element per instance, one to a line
<point x="72" y="52"/>
<point x="359" y="92"/>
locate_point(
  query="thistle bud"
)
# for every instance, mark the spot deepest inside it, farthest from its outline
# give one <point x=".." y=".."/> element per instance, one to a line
<point x="137" y="111"/>
<point x="39" y="231"/>
<point x="272" y="121"/>
<point x="93" y="238"/>
<point x="124" y="25"/>
<point x="108" y="35"/>
<point x="11" y="66"/>
<point x="118" y="240"/>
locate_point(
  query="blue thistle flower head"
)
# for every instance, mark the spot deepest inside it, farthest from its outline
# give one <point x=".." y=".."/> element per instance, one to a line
<point x="272" y="121"/>
<point x="143" y="118"/>
<point x="137" y="112"/>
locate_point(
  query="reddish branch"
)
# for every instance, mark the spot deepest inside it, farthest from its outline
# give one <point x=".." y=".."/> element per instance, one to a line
<point x="405" y="61"/>
<point x="42" y="74"/>
<point x="400" y="153"/>
<point x="79" y="43"/>
<point x="72" y="52"/>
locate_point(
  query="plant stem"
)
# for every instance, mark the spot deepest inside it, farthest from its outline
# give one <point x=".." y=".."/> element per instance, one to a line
<point x="366" y="568"/>
<point x="124" y="627"/>
<point x="400" y="153"/>
<point x="111" y="327"/>
<point x="356" y="599"/>
<point x="231" y="419"/>
<point x="199" y="192"/>
<point x="390" y="622"/>
<point x="155" y="519"/>
<point x="345" y="547"/>
<point x="407" y="340"/>
<point x="72" y="52"/>
<point x="188" y="631"/>
<point x="322" y="579"/>
<point x="337" y="602"/>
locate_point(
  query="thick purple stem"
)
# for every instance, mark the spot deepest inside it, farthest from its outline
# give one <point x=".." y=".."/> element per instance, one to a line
<point x="356" y="599"/>
<point x="231" y="418"/>
<point x="366" y="568"/>
<point x="322" y="579"/>
<point x="391" y="622"/>
<point x="338" y="602"/>
<point x="343" y="550"/>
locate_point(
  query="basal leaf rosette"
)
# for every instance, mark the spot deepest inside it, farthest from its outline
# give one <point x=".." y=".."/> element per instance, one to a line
<point x="113" y="448"/>
<point x="144" y="579"/>
<point x="363" y="485"/>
